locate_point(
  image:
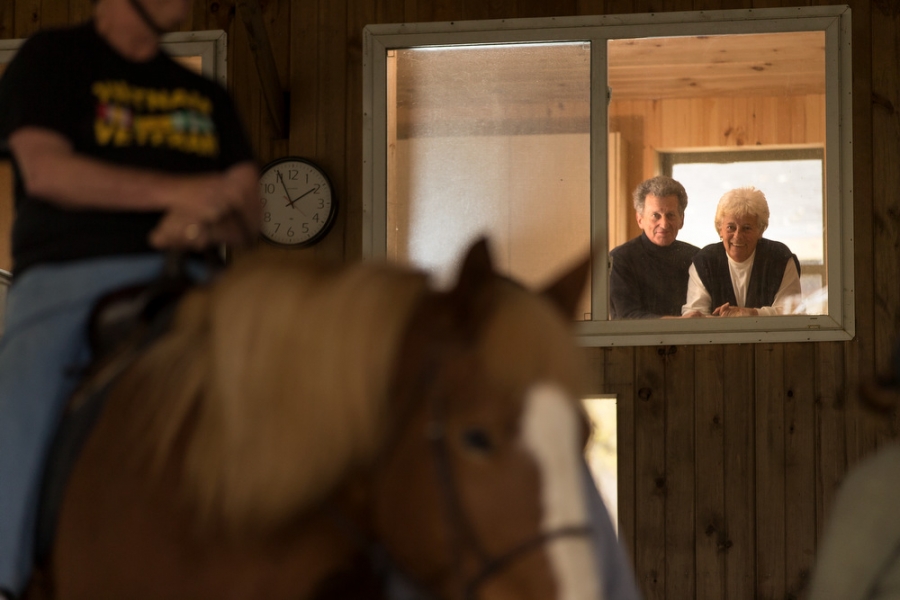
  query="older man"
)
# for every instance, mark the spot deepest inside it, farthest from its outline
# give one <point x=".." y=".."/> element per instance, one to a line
<point x="649" y="274"/>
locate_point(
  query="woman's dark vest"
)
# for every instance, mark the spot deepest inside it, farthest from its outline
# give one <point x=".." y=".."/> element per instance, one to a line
<point x="765" y="278"/>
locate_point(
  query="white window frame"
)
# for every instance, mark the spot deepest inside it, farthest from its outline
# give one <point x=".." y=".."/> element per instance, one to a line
<point x="834" y="21"/>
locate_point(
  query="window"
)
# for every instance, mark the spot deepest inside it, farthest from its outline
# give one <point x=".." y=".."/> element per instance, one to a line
<point x="535" y="131"/>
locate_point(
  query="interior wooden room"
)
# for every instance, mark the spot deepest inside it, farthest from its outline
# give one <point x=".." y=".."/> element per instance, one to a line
<point x="730" y="446"/>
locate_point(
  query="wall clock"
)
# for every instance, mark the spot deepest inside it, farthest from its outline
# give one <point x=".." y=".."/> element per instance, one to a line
<point x="298" y="201"/>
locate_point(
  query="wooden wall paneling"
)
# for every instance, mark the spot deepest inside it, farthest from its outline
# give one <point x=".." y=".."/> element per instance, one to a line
<point x="590" y="7"/>
<point x="680" y="470"/>
<point x="800" y="464"/>
<point x="7" y="22"/>
<point x="743" y="134"/>
<point x="388" y="11"/>
<point x="704" y="112"/>
<point x="763" y="121"/>
<point x="440" y="10"/>
<point x="677" y="5"/>
<point x="244" y="84"/>
<point x="80" y="10"/>
<point x="651" y="482"/>
<point x="739" y="416"/>
<point x="276" y="15"/>
<point x="815" y="118"/>
<point x="647" y="6"/>
<point x="795" y="109"/>
<point x="831" y="440"/>
<point x="770" y="471"/>
<point x="304" y="47"/>
<point x="542" y="8"/>
<point x="359" y="14"/>
<point x="27" y="17"/>
<point x="54" y="13"/>
<point x="860" y="352"/>
<point x="709" y="467"/>
<point x="771" y="3"/>
<point x="618" y="379"/>
<point x="614" y="7"/>
<point x="331" y="115"/>
<point x="886" y="156"/>
<point x="201" y="12"/>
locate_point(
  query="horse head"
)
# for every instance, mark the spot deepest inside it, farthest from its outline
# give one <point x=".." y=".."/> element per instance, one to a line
<point x="480" y="491"/>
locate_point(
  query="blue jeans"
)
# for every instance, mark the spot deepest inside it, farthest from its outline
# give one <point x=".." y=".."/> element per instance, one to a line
<point x="43" y="352"/>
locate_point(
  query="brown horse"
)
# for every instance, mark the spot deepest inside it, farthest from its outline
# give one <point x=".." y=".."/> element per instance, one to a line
<point x="298" y="419"/>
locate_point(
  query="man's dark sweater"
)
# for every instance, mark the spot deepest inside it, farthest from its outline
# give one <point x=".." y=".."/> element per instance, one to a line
<point x="649" y="281"/>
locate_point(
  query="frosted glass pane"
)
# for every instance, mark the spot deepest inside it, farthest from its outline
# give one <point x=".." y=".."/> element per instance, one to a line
<point x="490" y="140"/>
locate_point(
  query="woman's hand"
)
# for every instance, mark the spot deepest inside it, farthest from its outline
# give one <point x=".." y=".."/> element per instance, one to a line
<point x="726" y="310"/>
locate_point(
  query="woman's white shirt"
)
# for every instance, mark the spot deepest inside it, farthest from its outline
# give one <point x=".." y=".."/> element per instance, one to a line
<point x="787" y="298"/>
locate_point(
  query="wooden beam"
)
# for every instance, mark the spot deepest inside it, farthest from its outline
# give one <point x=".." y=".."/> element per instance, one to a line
<point x="273" y="92"/>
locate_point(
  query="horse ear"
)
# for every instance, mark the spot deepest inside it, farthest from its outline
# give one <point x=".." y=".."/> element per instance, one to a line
<point x="477" y="269"/>
<point x="566" y="291"/>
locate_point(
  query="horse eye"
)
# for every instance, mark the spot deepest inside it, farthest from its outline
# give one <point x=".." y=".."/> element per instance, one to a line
<point x="477" y="439"/>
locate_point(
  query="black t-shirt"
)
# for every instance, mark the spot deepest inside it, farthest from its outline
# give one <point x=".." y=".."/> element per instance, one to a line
<point x="155" y="114"/>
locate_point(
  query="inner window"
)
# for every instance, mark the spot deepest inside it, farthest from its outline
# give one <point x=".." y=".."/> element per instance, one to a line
<point x="490" y="140"/>
<point x="792" y="180"/>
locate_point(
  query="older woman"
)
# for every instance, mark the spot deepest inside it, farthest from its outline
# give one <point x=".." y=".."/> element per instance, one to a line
<point x="745" y="274"/>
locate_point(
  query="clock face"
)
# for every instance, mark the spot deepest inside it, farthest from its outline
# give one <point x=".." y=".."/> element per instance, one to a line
<point x="298" y="204"/>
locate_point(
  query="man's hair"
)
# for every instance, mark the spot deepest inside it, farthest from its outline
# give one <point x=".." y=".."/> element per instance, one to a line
<point x="660" y="186"/>
<point x="743" y="202"/>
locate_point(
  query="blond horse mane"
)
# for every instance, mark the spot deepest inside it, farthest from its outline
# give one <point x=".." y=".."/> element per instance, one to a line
<point x="273" y="381"/>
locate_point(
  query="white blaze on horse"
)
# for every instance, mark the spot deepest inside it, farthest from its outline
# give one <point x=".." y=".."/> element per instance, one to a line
<point x="304" y="431"/>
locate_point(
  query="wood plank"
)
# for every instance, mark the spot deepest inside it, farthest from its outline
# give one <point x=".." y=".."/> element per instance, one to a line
<point x="27" y="17"/>
<point x="770" y="471"/>
<point x="7" y="21"/>
<point x="886" y="208"/>
<point x="268" y="81"/>
<point x="80" y="10"/>
<point x="709" y="411"/>
<point x="739" y="544"/>
<point x="614" y="7"/>
<point x="590" y="7"/>
<point x="304" y="67"/>
<point x="831" y="440"/>
<point x="54" y="13"/>
<point x="359" y="14"/>
<point x="388" y="11"/>
<point x="618" y="379"/>
<point x="800" y="464"/>
<point x="861" y="358"/>
<point x="276" y="15"/>
<point x="331" y="115"/>
<point x="650" y="473"/>
<point x="680" y="471"/>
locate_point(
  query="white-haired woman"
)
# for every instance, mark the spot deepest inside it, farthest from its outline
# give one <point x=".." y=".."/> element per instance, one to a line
<point x="744" y="274"/>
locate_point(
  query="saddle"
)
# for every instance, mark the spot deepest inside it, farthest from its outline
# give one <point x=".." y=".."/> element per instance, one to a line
<point x="136" y="315"/>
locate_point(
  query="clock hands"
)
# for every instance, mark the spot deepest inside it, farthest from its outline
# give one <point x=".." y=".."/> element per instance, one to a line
<point x="287" y="195"/>
<point x="309" y="191"/>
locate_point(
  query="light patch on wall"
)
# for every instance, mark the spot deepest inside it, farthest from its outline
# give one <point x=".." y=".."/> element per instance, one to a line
<point x="602" y="450"/>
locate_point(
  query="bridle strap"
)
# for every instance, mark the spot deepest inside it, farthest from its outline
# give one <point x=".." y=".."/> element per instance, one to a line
<point x="460" y="527"/>
<point x="497" y="565"/>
